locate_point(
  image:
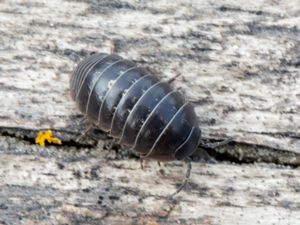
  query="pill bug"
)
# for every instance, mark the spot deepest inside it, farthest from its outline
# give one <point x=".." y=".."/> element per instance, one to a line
<point x="136" y="108"/>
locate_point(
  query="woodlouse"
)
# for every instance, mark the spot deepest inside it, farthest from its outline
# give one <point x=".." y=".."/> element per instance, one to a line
<point x="136" y="108"/>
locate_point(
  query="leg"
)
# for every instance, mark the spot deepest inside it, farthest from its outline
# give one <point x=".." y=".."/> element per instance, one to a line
<point x="187" y="176"/>
<point x="83" y="120"/>
<point x="142" y="163"/>
<point x="173" y="78"/>
<point x="158" y="163"/>
<point x="85" y="132"/>
<point x="213" y="145"/>
<point x="112" y="47"/>
<point x="111" y="145"/>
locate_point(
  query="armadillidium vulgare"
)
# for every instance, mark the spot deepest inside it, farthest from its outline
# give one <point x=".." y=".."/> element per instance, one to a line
<point x="136" y="108"/>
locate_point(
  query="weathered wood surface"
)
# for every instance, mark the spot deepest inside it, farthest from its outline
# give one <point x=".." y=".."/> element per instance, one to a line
<point x="239" y="64"/>
<point x="88" y="186"/>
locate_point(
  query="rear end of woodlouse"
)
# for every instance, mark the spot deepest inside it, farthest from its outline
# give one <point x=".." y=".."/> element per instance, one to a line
<point x="135" y="107"/>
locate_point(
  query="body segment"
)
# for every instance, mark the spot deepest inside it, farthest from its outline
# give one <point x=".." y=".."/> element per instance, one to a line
<point x="135" y="107"/>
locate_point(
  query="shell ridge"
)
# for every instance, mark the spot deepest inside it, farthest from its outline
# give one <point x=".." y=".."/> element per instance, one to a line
<point x="163" y="131"/>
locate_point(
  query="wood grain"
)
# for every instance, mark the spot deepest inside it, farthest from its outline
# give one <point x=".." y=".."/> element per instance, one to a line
<point x="87" y="186"/>
<point x="238" y="63"/>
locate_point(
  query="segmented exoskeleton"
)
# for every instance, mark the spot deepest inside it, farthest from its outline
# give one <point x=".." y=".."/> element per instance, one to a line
<point x="136" y="108"/>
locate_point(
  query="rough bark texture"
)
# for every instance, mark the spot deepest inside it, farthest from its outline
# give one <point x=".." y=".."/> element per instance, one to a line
<point x="88" y="186"/>
<point x="239" y="64"/>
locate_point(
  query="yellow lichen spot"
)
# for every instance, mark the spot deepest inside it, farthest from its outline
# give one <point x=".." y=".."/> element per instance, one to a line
<point x="47" y="136"/>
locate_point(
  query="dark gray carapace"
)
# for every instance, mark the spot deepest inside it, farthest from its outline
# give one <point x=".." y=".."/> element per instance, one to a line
<point x="135" y="107"/>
